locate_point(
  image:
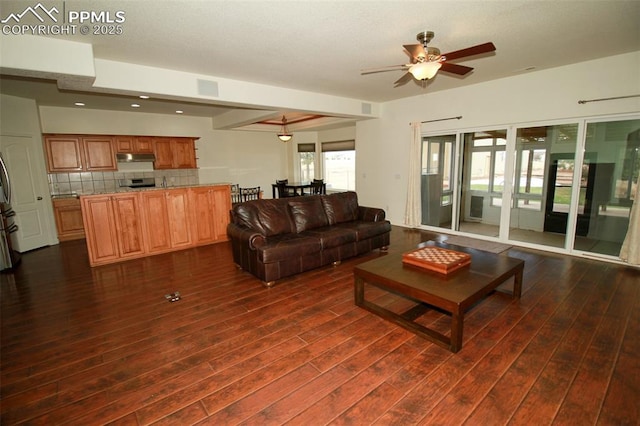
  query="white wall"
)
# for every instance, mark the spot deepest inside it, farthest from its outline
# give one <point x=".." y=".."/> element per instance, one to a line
<point x="383" y="144"/>
<point x="246" y="158"/>
<point x="341" y="134"/>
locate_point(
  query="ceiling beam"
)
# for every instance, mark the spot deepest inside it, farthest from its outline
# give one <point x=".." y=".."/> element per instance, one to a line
<point x="241" y="118"/>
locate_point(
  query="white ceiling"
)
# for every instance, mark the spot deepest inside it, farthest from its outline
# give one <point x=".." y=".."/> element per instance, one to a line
<point x="322" y="46"/>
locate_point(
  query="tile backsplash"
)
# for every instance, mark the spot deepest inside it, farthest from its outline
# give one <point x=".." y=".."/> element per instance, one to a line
<point x="97" y="182"/>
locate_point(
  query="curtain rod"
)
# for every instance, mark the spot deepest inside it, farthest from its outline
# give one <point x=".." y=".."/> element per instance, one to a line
<point x="440" y="119"/>
<point x="607" y="99"/>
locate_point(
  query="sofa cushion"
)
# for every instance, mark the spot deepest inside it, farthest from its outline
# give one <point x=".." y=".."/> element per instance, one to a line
<point x="365" y="230"/>
<point x="332" y="236"/>
<point x="274" y="217"/>
<point x="286" y="247"/>
<point x="307" y="213"/>
<point x="246" y="216"/>
<point x="341" y="207"/>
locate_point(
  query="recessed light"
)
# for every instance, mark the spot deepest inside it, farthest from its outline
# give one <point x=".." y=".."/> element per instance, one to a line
<point x="179" y="112"/>
<point x="79" y="104"/>
<point x="144" y="97"/>
<point x="135" y="106"/>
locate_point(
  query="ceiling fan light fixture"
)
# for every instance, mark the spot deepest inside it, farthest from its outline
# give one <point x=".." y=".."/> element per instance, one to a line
<point x="424" y="70"/>
<point x="284" y="135"/>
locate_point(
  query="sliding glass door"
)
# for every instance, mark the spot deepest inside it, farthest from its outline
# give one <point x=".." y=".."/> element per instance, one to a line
<point x="567" y="186"/>
<point x="609" y="178"/>
<point x="542" y="184"/>
<point x="437" y="180"/>
<point x="482" y="182"/>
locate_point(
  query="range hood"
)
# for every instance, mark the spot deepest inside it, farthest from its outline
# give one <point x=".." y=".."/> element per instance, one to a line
<point x="135" y="158"/>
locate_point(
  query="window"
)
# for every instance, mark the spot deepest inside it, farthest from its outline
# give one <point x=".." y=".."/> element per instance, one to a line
<point x="487" y="164"/>
<point x="339" y="165"/>
<point x="306" y="161"/>
<point x="531" y="161"/>
<point x="437" y="163"/>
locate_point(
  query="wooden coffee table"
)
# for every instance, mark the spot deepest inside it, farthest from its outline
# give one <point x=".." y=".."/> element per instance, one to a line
<point x="453" y="293"/>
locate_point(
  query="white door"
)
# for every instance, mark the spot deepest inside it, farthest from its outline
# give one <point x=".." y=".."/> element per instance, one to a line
<point x="28" y="197"/>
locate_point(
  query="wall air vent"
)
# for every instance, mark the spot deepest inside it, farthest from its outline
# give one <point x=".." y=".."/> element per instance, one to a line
<point x="208" y="88"/>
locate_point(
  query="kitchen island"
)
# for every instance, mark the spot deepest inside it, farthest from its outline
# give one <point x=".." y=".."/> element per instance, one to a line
<point x="140" y="222"/>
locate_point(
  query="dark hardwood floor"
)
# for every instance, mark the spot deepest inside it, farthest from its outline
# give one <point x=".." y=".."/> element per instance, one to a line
<point x="102" y="345"/>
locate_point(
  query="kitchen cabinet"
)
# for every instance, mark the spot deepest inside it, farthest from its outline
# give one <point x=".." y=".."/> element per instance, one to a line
<point x="210" y="213"/>
<point x="100" y="229"/>
<point x="154" y="209"/>
<point x="184" y="153"/>
<point x="99" y="154"/>
<point x="129" y="227"/>
<point x="122" y="226"/>
<point x="167" y="219"/>
<point x="63" y="153"/>
<point x="178" y="212"/>
<point x="75" y="153"/>
<point x="68" y="215"/>
<point x="113" y="227"/>
<point x="163" y="153"/>
<point x="174" y="153"/>
<point x="134" y="144"/>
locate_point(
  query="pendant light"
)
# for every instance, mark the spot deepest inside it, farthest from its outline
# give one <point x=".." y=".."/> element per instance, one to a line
<point x="284" y="135"/>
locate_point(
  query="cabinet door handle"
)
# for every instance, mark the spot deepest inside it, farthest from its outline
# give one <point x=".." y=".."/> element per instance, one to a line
<point x="39" y="198"/>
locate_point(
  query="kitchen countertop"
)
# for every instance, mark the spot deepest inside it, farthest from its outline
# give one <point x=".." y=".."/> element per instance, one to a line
<point x="127" y="189"/>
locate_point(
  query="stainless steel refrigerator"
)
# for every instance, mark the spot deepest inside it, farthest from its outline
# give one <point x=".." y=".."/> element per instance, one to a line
<point x="9" y="258"/>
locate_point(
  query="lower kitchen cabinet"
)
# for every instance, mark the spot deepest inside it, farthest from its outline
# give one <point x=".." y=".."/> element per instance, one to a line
<point x="137" y="224"/>
<point x="100" y="229"/>
<point x="167" y="219"/>
<point x="210" y="208"/>
<point x="154" y="208"/>
<point x="113" y="226"/>
<point x="68" y="216"/>
<point x="126" y="210"/>
<point x="178" y="210"/>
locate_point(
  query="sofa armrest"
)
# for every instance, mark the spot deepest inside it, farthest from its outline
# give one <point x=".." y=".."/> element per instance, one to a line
<point x="252" y="238"/>
<point x="370" y="214"/>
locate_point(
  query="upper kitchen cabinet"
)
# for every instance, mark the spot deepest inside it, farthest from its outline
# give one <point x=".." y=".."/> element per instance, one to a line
<point x="134" y="144"/>
<point x="64" y="153"/>
<point x="174" y="153"/>
<point x="76" y="153"/>
<point x="99" y="153"/>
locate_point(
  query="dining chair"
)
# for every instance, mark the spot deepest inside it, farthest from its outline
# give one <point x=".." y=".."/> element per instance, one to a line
<point x="250" y="193"/>
<point x="317" y="187"/>
<point x="236" y="197"/>
<point x="283" y="191"/>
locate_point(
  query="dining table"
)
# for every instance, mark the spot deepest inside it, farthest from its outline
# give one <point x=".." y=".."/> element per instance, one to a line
<point x="297" y="187"/>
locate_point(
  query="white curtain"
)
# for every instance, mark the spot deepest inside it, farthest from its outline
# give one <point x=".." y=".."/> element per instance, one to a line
<point x="413" y="212"/>
<point x="630" y="251"/>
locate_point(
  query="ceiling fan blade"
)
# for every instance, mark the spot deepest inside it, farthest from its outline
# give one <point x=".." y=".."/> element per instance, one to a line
<point x="382" y="69"/>
<point x="470" y="51"/>
<point x="414" y="51"/>
<point x="403" y="80"/>
<point x="455" y="68"/>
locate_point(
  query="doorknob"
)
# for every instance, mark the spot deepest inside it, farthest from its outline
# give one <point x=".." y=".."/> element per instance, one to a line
<point x="39" y="198"/>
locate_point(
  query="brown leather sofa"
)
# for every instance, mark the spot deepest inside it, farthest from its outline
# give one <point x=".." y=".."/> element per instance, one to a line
<point x="276" y="238"/>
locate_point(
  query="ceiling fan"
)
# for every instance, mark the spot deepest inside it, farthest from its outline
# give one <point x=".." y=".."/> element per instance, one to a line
<point x="426" y="61"/>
